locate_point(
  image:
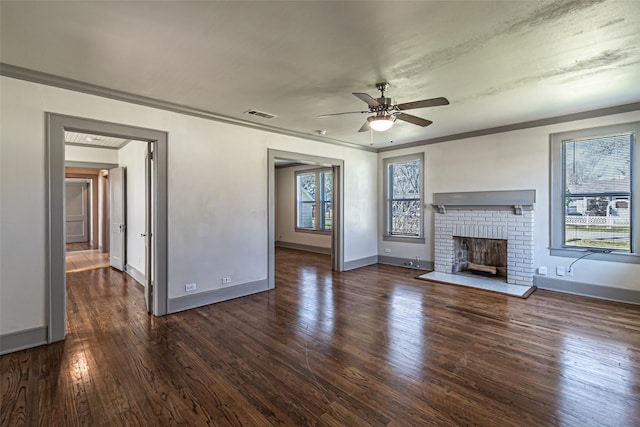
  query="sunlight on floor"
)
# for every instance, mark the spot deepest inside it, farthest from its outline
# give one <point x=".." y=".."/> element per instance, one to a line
<point x="86" y="260"/>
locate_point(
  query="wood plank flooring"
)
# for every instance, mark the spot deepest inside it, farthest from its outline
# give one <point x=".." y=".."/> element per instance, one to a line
<point x="86" y="260"/>
<point x="79" y="246"/>
<point x="373" y="346"/>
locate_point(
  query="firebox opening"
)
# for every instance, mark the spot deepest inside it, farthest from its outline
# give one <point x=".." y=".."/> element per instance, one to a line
<point x="485" y="257"/>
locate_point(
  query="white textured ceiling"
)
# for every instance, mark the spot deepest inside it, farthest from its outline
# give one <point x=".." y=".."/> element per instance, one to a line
<point x="498" y="62"/>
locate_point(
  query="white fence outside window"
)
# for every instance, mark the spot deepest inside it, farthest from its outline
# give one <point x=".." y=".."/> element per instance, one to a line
<point x="606" y="221"/>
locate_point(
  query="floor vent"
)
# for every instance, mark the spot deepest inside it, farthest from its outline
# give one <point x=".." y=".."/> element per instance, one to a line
<point x="260" y="114"/>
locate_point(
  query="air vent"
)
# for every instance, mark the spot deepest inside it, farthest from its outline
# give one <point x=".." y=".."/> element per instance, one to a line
<point x="260" y="114"/>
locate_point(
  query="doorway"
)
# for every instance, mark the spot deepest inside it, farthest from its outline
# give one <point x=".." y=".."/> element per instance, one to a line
<point x="114" y="168"/>
<point x="57" y="125"/>
<point x="82" y="215"/>
<point x="337" y="233"/>
<point x="77" y="211"/>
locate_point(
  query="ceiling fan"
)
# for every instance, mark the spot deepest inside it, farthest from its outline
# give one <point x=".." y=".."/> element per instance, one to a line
<point x="386" y="113"/>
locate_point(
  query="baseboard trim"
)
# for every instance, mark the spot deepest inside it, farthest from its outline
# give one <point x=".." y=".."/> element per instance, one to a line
<point x="400" y="262"/>
<point x="137" y="275"/>
<point x="200" y="299"/>
<point x="629" y="296"/>
<point x="22" y="340"/>
<point x="307" y="248"/>
<point x="362" y="262"/>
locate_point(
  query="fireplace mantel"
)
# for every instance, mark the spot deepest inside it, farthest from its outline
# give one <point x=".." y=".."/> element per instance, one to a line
<point x="516" y="200"/>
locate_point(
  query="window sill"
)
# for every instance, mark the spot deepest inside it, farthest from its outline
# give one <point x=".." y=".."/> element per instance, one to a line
<point x="624" y="257"/>
<point x="403" y="239"/>
<point x="306" y="230"/>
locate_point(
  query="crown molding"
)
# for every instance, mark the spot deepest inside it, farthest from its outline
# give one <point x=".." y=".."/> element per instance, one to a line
<point x="34" y="76"/>
<point x="635" y="106"/>
<point x="13" y="71"/>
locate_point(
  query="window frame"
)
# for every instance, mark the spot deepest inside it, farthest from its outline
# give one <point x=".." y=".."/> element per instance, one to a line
<point x="319" y="200"/>
<point x="557" y="193"/>
<point x="386" y="234"/>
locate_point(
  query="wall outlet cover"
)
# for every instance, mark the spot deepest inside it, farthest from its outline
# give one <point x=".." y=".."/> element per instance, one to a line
<point x="190" y="287"/>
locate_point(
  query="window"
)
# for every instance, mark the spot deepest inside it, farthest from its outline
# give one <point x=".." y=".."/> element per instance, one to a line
<point x="314" y="192"/>
<point x="403" y="197"/>
<point x="593" y="178"/>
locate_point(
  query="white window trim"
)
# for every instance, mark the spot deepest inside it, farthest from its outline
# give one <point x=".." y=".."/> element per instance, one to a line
<point x="317" y="172"/>
<point x="557" y="193"/>
<point x="394" y="237"/>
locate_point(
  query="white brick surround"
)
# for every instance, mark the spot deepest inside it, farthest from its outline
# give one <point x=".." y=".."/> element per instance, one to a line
<point x="490" y="224"/>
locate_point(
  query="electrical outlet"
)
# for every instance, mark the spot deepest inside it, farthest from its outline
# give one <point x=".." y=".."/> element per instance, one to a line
<point x="569" y="272"/>
<point x="542" y="270"/>
<point x="190" y="287"/>
<point x="561" y="271"/>
<point x="226" y="280"/>
<point x="387" y="250"/>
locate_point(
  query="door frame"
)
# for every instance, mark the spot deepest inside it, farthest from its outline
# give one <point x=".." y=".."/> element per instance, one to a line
<point x="55" y="272"/>
<point x="88" y="214"/>
<point x="337" y="234"/>
<point x="94" y="214"/>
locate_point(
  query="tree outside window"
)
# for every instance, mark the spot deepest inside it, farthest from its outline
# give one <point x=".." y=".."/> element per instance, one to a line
<point x="403" y="195"/>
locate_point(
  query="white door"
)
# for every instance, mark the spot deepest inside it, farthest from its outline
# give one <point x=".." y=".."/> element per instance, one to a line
<point x="76" y="212"/>
<point x="117" y="218"/>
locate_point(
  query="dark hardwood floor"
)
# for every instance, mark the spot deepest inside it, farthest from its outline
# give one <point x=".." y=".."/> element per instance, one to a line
<point x="373" y="346"/>
<point x="80" y="246"/>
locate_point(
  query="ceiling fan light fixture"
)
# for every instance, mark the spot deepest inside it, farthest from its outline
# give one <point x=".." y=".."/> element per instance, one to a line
<point x="381" y="123"/>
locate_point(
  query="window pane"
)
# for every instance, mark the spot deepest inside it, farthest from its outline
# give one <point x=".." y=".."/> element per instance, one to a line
<point x="599" y="165"/>
<point x="328" y="216"/>
<point x="328" y="186"/>
<point x="598" y="193"/>
<point x="306" y="215"/>
<point x="587" y="223"/>
<point x="405" y="217"/>
<point x="406" y="180"/>
<point x="307" y="186"/>
<point x="306" y="200"/>
<point x="404" y="202"/>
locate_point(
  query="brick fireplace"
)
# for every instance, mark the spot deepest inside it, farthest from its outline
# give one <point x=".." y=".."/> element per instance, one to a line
<point x="499" y="215"/>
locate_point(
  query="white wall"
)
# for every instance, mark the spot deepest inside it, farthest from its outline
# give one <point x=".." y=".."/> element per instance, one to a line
<point x="515" y="160"/>
<point x="132" y="157"/>
<point x="217" y="210"/>
<point x="286" y="211"/>
<point x="90" y="154"/>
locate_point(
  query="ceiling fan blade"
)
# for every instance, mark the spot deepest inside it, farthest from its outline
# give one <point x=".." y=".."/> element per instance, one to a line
<point x="433" y="102"/>
<point x="413" y="119"/>
<point x="339" y="114"/>
<point x="365" y="127"/>
<point x="371" y="102"/>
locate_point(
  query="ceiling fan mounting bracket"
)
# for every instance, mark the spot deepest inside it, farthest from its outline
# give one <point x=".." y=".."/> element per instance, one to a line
<point x="382" y="86"/>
